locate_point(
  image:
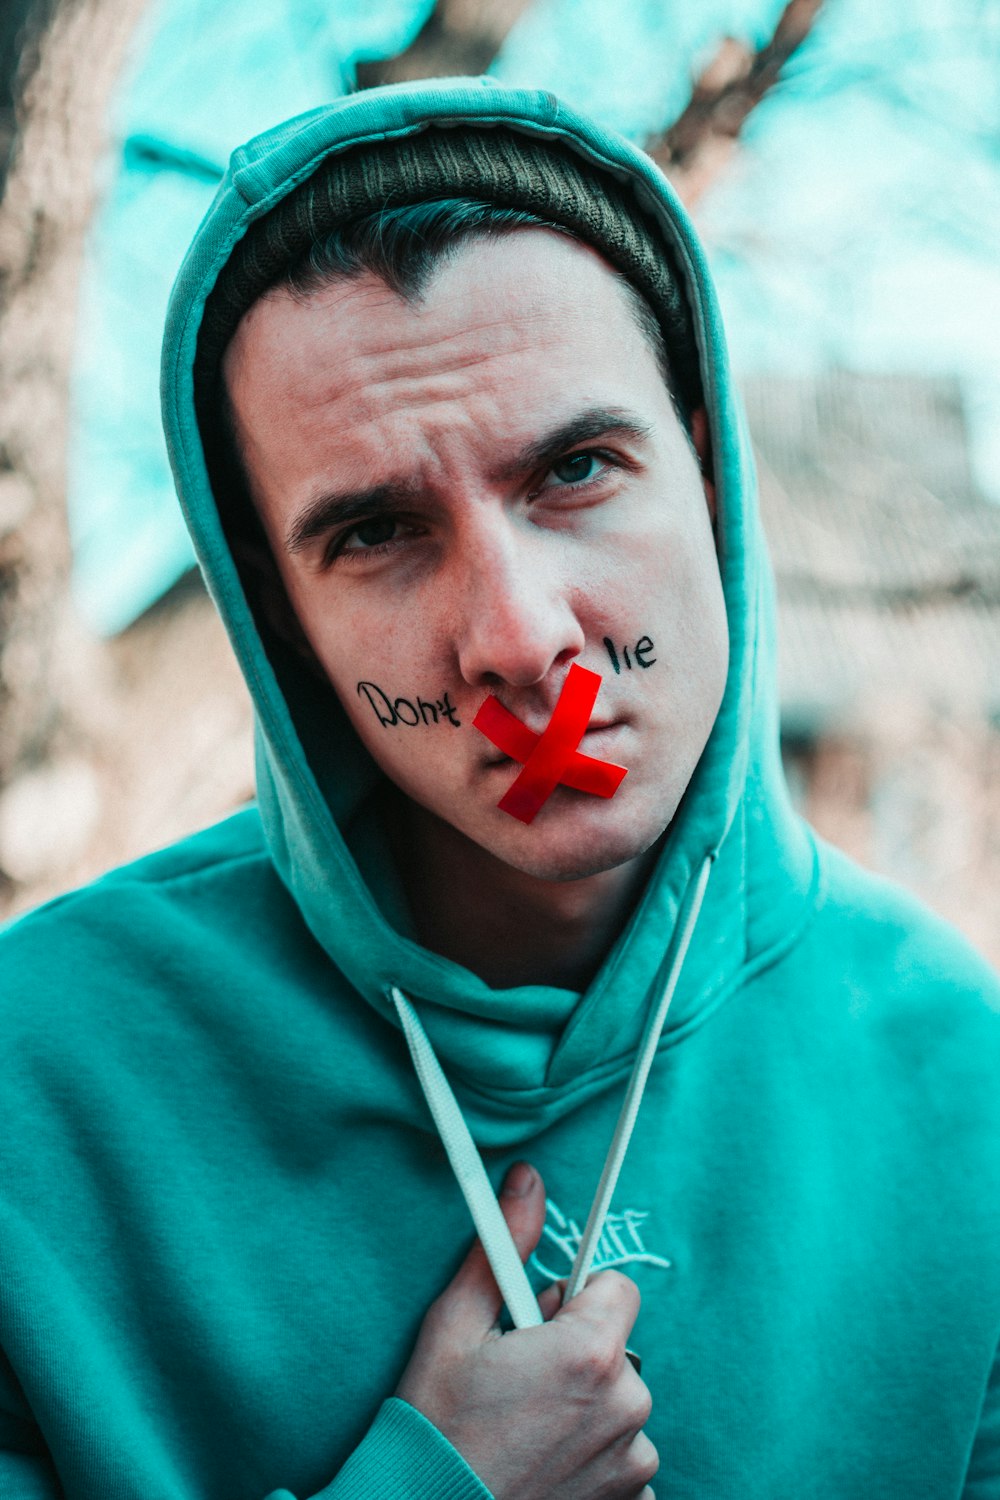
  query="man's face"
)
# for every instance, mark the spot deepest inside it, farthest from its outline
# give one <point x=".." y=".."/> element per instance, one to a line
<point x="466" y="496"/>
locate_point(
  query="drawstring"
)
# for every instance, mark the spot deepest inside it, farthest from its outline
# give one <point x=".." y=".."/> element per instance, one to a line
<point x="467" y="1164"/>
<point x="502" y="1253"/>
<point x="655" y="1020"/>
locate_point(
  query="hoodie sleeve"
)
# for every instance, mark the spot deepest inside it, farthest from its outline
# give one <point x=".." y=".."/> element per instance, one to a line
<point x="26" y="1471"/>
<point x="403" y="1455"/>
<point x="23" y="1477"/>
<point x="982" y="1479"/>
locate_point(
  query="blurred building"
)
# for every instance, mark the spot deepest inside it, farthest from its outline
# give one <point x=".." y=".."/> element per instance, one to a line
<point x="887" y="563"/>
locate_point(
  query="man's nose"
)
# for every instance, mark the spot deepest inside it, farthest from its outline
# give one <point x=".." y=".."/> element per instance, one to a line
<point x="515" y="619"/>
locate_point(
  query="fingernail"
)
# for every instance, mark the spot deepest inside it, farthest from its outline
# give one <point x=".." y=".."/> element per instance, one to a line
<point x="519" y="1181"/>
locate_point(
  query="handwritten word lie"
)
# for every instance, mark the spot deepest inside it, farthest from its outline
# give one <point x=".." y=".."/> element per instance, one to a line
<point x="642" y="648"/>
<point x="393" y="711"/>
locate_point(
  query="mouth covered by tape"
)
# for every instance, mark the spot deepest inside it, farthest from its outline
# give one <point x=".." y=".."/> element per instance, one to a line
<point x="550" y="759"/>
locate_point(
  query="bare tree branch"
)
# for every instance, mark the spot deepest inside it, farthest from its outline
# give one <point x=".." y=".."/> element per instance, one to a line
<point x="693" y="150"/>
<point x="459" y="37"/>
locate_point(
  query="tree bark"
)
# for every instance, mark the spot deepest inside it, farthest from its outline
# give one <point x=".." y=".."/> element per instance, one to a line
<point x="459" y="37"/>
<point x="62" y="83"/>
<point x="696" y="148"/>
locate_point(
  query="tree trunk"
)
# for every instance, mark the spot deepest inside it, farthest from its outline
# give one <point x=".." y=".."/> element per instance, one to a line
<point x="62" y="77"/>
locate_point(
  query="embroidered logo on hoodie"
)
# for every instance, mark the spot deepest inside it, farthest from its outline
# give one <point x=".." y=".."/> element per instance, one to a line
<point x="622" y="1243"/>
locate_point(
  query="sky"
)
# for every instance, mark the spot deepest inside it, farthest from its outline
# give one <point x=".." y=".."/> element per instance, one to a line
<point x="858" y="226"/>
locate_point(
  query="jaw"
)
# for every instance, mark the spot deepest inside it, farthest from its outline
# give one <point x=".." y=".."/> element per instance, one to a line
<point x="575" y="837"/>
<point x="548" y="916"/>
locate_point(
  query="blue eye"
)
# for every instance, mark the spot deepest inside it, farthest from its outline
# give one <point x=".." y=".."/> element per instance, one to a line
<point x="576" y="468"/>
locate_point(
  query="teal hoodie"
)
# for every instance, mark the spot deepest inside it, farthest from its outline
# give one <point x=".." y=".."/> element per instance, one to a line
<point x="224" y="1207"/>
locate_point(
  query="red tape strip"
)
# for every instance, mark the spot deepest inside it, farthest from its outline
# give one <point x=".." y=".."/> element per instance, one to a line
<point x="550" y="759"/>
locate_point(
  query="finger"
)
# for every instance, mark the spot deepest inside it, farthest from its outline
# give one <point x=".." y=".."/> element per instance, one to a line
<point x="550" y="1299"/>
<point x="609" y="1299"/>
<point x="522" y="1199"/>
<point x="473" y="1296"/>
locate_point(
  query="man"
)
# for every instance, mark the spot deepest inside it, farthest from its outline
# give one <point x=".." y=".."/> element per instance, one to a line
<point x="448" y="405"/>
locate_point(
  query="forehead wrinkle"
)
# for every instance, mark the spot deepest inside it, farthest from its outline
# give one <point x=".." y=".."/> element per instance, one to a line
<point x="373" y="393"/>
<point x="365" y="380"/>
<point x="408" y="362"/>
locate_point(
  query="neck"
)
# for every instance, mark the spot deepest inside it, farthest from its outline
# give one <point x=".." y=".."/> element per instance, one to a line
<point x="508" y="927"/>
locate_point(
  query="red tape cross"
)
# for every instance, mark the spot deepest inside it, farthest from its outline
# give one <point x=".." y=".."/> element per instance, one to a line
<point x="550" y="759"/>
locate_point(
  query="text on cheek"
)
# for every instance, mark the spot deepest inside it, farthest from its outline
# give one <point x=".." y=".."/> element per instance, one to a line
<point x="408" y="711"/>
<point x="641" y="650"/>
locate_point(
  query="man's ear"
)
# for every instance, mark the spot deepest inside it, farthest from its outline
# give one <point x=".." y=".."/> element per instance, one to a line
<point x="702" y="442"/>
<point x="267" y="596"/>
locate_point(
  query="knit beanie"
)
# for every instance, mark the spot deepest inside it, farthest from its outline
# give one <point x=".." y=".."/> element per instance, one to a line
<point x="494" y="165"/>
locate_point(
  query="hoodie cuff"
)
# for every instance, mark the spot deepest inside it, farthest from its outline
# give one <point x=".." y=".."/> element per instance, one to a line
<point x="405" y="1456"/>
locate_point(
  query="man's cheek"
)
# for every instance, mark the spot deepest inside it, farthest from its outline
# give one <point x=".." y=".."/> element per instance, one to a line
<point x="394" y="710"/>
<point x="640" y="655"/>
<point x="416" y="736"/>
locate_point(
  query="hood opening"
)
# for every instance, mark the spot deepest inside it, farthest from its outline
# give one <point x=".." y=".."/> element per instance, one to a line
<point x="323" y="800"/>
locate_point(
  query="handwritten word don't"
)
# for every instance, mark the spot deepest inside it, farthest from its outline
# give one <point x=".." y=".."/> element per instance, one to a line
<point x="393" y="711"/>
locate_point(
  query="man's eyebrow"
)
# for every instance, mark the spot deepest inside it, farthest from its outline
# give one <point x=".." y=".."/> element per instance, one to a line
<point x="593" y="422"/>
<point x="340" y="508"/>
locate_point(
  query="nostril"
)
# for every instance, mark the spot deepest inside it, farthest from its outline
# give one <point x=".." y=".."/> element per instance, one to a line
<point x="570" y="653"/>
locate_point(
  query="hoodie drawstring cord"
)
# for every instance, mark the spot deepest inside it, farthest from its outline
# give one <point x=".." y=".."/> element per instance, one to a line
<point x="655" y="1021"/>
<point x="467" y="1164"/>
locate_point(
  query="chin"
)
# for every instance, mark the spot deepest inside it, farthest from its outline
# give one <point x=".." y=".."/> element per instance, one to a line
<point x="566" y="843"/>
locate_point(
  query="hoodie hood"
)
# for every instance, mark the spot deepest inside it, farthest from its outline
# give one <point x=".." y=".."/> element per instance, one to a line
<point x="519" y="1058"/>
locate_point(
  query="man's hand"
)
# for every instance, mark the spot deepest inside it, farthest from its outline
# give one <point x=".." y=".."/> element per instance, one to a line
<point x="548" y="1413"/>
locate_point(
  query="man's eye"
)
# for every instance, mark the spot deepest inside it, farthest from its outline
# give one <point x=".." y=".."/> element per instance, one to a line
<point x="366" y="541"/>
<point x="371" y="533"/>
<point x="578" y="468"/>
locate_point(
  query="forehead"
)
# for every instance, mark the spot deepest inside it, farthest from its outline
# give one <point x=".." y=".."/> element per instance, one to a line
<point x="511" y="335"/>
<point x="490" y="299"/>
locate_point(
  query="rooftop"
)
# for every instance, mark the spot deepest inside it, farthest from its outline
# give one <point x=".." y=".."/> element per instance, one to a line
<point x="887" y="559"/>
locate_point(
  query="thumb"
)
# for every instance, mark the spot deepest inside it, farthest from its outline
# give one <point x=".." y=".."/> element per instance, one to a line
<point x="522" y="1199"/>
<point x="474" y="1293"/>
